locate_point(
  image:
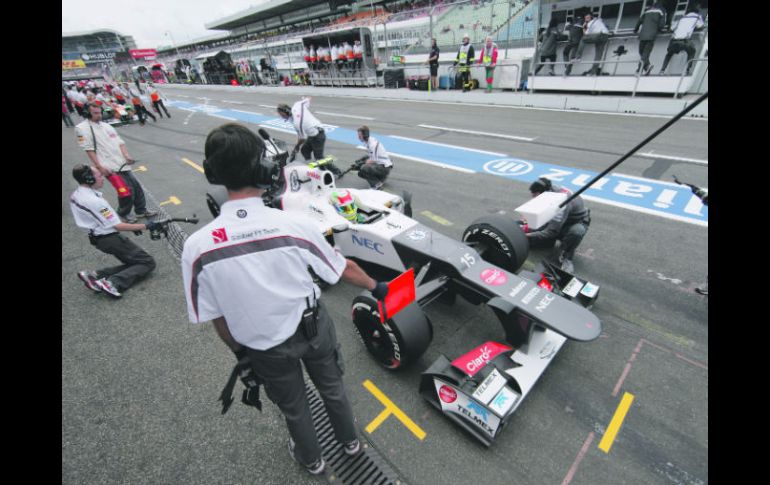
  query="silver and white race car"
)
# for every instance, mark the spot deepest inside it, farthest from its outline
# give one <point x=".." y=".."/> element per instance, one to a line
<point x="539" y="310"/>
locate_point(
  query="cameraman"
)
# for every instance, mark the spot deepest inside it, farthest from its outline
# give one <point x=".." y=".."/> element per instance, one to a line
<point x="92" y="212"/>
<point x="249" y="272"/>
<point x="569" y="225"/>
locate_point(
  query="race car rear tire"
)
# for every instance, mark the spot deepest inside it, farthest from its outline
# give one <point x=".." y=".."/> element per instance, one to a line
<point x="400" y="341"/>
<point x="500" y="241"/>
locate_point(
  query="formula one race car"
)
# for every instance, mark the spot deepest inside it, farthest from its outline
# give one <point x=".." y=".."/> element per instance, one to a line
<point x="538" y="310"/>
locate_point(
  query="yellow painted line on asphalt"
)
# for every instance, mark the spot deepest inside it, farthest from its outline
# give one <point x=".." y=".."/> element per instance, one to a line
<point x="140" y="168"/>
<point x="390" y="408"/>
<point x="193" y="165"/>
<point x="617" y="421"/>
<point x="430" y="215"/>
<point x="171" y="200"/>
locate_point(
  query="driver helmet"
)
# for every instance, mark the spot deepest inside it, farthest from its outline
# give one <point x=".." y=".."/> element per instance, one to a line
<point x="345" y="204"/>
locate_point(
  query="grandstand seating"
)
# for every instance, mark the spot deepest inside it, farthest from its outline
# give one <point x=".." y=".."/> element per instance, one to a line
<point x="522" y="25"/>
<point x="478" y="21"/>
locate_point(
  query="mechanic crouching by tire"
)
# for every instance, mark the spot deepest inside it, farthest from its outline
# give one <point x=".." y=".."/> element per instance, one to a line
<point x="378" y="164"/>
<point x="249" y="272"/>
<point x="569" y="225"/>
<point x="310" y="133"/>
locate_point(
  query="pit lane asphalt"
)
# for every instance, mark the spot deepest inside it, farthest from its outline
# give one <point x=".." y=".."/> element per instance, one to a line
<point x="140" y="383"/>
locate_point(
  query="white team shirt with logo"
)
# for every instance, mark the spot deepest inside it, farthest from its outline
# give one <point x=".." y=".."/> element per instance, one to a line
<point x="250" y="265"/>
<point x="92" y="212"/>
<point x="304" y="122"/>
<point x="377" y="152"/>
<point x="686" y="25"/>
<point x="108" y="150"/>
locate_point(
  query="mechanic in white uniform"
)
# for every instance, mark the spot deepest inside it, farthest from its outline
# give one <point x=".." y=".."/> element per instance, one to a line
<point x="93" y="213"/>
<point x="310" y="133"/>
<point x="249" y="272"/>
<point x="378" y="164"/>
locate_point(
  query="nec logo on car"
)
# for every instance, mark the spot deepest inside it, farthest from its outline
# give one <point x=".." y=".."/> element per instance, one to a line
<point x="368" y="244"/>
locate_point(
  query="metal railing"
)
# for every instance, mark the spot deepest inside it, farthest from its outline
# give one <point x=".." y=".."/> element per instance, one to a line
<point x="684" y="71"/>
<point x="637" y="75"/>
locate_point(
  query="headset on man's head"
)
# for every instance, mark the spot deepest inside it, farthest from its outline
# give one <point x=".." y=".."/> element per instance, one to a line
<point x="260" y="172"/>
<point x="83" y="174"/>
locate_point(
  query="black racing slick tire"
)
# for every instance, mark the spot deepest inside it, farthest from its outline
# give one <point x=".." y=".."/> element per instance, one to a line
<point x="400" y="341"/>
<point x="499" y="240"/>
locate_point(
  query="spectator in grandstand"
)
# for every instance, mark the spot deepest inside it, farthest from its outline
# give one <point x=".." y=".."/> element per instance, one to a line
<point x="464" y="60"/>
<point x="572" y="33"/>
<point x="65" y="114"/>
<point x="680" y="40"/>
<point x="488" y="57"/>
<point x="310" y="133"/>
<point x="358" y="54"/>
<point x="157" y="100"/>
<point x="433" y="62"/>
<point x="569" y="225"/>
<point x="548" y="40"/>
<point x="594" y="32"/>
<point x="652" y="21"/>
<point x="378" y="164"/>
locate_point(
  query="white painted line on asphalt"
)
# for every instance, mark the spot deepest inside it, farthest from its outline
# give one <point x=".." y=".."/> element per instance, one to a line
<point x="247" y="112"/>
<point x="642" y="179"/>
<point x="232" y="102"/>
<point x="345" y="116"/>
<point x="267" y="106"/>
<point x="482" y="133"/>
<point x="429" y="162"/>
<point x="450" y="146"/>
<point x="651" y="154"/>
<point x="223" y="117"/>
<point x="645" y="211"/>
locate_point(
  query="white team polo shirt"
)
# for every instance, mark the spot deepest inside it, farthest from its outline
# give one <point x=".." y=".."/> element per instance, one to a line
<point x="304" y="122"/>
<point x="377" y="152"/>
<point x="108" y="150"/>
<point x="250" y="265"/>
<point x="92" y="212"/>
<point x="686" y="26"/>
<point x="596" y="26"/>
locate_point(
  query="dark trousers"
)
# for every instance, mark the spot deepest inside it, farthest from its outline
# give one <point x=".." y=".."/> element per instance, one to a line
<point x="465" y="77"/>
<point x="158" y="105"/>
<point x="551" y="58"/>
<point x="67" y="120"/>
<point x="314" y="145"/>
<point x="136" y="262"/>
<point x="569" y="54"/>
<point x="373" y="173"/>
<point x="600" y="41"/>
<point x="645" y="49"/>
<point x="281" y="369"/>
<point x="571" y="236"/>
<point x="136" y="200"/>
<point x="675" y="47"/>
<point x="141" y="112"/>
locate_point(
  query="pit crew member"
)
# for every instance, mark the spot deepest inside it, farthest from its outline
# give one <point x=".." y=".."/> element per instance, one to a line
<point x="378" y="164"/>
<point x="310" y="133"/>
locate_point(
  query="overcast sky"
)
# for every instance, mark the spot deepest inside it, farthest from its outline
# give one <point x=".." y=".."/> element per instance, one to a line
<point x="149" y="20"/>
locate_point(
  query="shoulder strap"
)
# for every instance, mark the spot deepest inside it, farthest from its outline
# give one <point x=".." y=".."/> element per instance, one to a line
<point x="90" y="125"/>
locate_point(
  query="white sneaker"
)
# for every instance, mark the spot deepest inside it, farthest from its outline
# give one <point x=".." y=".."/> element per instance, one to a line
<point x="567" y="266"/>
<point x="353" y="447"/>
<point x="106" y="286"/>
<point x="90" y="279"/>
<point x="315" y="468"/>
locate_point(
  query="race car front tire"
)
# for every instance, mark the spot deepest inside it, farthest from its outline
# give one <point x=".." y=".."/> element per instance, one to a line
<point x="400" y="341"/>
<point x="500" y="241"/>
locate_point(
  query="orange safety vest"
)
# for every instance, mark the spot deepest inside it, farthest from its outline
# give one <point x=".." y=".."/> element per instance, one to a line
<point x="155" y="97"/>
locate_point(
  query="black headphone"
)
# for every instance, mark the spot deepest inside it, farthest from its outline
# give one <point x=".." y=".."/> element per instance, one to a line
<point x="541" y="185"/>
<point x="364" y="132"/>
<point x="83" y="174"/>
<point x="260" y="172"/>
<point x="285" y="109"/>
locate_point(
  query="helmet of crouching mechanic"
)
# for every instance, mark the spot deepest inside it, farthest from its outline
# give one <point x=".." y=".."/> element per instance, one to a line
<point x="541" y="185"/>
<point x="345" y="204"/>
<point x="284" y="109"/>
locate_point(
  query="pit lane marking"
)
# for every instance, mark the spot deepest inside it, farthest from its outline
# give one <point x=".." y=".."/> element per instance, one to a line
<point x="485" y="152"/>
<point x="617" y="421"/>
<point x="140" y="168"/>
<point x="472" y="132"/>
<point x="430" y="215"/>
<point x="193" y="165"/>
<point x="390" y="408"/>
<point x="171" y="200"/>
<point x="345" y="116"/>
<point x="651" y="154"/>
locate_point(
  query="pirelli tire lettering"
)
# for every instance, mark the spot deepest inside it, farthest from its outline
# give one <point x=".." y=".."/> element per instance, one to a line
<point x="499" y="240"/>
<point x="398" y="341"/>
